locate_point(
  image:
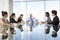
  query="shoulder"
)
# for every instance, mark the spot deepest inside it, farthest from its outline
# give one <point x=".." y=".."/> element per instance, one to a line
<point x="57" y="17"/>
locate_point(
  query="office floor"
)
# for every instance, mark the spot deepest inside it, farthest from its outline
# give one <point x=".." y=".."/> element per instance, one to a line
<point x="38" y="33"/>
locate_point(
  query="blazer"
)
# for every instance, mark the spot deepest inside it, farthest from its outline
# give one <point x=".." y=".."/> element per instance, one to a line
<point x="12" y="20"/>
<point x="32" y="23"/>
<point x="55" y="21"/>
<point x="19" y="20"/>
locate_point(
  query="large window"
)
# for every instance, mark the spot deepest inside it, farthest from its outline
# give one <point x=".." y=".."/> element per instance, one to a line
<point x="37" y="8"/>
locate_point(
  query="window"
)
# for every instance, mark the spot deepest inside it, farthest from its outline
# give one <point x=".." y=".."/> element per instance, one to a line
<point x="38" y="9"/>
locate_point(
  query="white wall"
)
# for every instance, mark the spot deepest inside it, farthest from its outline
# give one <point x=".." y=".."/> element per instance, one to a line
<point x="4" y="6"/>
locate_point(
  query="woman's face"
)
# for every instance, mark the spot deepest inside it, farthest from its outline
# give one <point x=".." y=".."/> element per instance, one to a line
<point x="5" y="16"/>
<point x="21" y="16"/>
<point x="46" y="15"/>
<point x="14" y="16"/>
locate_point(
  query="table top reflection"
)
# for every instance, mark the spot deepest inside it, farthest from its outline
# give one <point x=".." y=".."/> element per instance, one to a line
<point x="38" y="33"/>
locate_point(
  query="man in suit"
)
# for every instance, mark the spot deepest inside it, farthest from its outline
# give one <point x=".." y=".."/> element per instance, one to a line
<point x="31" y="20"/>
<point x="55" y="23"/>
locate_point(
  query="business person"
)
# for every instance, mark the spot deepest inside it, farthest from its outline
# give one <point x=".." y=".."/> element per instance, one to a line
<point x="4" y="25"/>
<point x="55" y="23"/>
<point x="30" y="20"/>
<point x="12" y="20"/>
<point x="48" y="20"/>
<point x="20" y="20"/>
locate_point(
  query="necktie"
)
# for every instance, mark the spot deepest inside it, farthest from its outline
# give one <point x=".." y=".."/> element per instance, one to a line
<point x="32" y="22"/>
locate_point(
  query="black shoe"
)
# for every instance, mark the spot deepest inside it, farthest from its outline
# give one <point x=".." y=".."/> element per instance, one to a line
<point x="54" y="34"/>
<point x="47" y="31"/>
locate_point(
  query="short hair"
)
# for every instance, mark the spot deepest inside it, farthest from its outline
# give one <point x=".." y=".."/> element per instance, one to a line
<point x="4" y="13"/>
<point x="54" y="12"/>
<point x="47" y="14"/>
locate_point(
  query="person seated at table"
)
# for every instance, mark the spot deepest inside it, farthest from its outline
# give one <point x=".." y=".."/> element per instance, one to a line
<point x="4" y="25"/>
<point x="47" y="21"/>
<point x="31" y="21"/>
<point x="12" y="20"/>
<point x="55" y="23"/>
<point x="20" y="20"/>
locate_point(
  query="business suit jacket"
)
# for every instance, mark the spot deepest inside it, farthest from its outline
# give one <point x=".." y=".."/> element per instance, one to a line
<point x="12" y="20"/>
<point x="55" y="22"/>
<point x="19" y="19"/>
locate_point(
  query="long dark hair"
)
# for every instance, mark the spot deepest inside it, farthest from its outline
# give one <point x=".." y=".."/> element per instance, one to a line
<point x="4" y="13"/>
<point x="21" y="15"/>
<point x="12" y="15"/>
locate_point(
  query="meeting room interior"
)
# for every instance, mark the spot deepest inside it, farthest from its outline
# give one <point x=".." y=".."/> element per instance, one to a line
<point x="29" y="19"/>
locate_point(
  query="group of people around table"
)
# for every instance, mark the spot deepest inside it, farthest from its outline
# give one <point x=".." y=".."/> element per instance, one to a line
<point x="5" y="24"/>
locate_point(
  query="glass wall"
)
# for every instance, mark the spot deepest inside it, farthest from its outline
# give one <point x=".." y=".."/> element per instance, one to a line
<point x="37" y="8"/>
<point x="20" y="8"/>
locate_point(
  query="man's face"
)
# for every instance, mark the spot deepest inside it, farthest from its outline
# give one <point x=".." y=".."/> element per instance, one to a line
<point x="30" y="15"/>
<point x="53" y="14"/>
